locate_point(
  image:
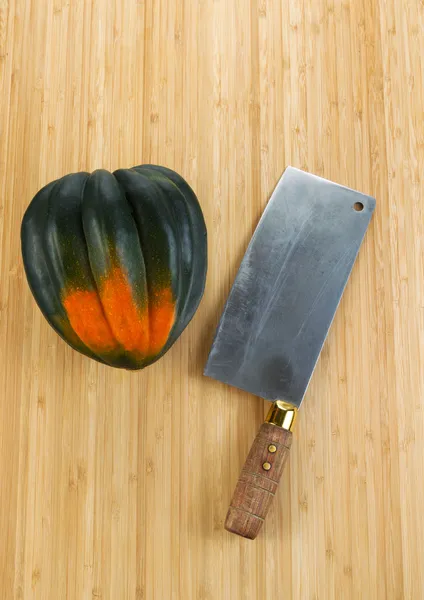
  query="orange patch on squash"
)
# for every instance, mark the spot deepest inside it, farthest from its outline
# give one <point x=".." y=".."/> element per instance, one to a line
<point x="86" y="316"/>
<point x="128" y="322"/>
<point x="104" y="323"/>
<point x="162" y="318"/>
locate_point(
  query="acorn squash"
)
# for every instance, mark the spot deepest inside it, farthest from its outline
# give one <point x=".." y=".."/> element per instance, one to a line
<point x="117" y="262"/>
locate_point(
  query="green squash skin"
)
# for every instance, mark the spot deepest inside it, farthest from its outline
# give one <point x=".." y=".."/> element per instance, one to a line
<point x="135" y="238"/>
<point x="155" y="220"/>
<point x="111" y="233"/>
<point x="187" y="213"/>
<point x="66" y="251"/>
<point x="112" y="239"/>
<point x="38" y="273"/>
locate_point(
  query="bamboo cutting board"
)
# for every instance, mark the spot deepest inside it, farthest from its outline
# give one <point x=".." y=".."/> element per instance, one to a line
<point x="115" y="485"/>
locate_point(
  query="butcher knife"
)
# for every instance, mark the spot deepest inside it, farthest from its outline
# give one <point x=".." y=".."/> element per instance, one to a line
<point x="277" y="317"/>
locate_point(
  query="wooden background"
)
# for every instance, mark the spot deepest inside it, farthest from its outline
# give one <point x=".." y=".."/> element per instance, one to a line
<point x="115" y="485"/>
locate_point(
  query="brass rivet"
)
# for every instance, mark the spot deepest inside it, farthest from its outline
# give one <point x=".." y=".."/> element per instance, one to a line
<point x="266" y="466"/>
<point x="272" y="448"/>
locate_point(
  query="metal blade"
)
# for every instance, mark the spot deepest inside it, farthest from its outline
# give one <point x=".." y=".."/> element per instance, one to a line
<point x="288" y="287"/>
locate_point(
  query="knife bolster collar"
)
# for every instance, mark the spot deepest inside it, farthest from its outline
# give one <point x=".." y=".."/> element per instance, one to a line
<point x="283" y="414"/>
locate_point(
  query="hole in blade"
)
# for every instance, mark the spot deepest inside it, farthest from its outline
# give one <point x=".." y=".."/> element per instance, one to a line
<point x="358" y="206"/>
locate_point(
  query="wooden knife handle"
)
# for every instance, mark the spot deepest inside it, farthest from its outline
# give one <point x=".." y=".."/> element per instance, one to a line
<point x="259" y="480"/>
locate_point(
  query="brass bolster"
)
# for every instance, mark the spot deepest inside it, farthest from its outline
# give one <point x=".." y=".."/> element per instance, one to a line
<point x="282" y="414"/>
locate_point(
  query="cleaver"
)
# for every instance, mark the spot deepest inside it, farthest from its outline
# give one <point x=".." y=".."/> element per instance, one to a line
<point x="277" y="317"/>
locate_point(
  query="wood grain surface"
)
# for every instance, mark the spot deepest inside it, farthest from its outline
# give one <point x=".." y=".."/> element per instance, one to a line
<point x="115" y="485"/>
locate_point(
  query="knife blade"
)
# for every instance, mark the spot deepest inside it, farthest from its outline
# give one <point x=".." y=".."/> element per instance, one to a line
<point x="277" y="317"/>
